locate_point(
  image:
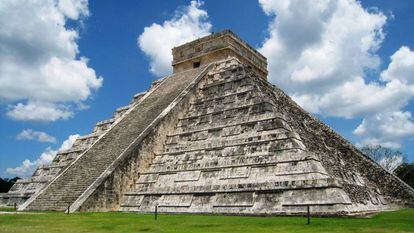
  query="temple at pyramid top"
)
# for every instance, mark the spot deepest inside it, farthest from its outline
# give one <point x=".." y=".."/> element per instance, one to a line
<point x="216" y="47"/>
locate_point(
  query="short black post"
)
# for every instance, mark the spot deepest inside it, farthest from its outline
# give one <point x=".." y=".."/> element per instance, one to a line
<point x="156" y="212"/>
<point x="308" y="215"/>
<point x="68" y="208"/>
<point x="15" y="206"/>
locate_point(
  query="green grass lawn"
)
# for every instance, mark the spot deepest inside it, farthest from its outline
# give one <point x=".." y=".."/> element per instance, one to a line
<point x="7" y="209"/>
<point x="398" y="221"/>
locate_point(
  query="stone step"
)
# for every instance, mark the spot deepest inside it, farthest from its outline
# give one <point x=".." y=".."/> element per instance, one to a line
<point x="243" y="187"/>
<point x="248" y="119"/>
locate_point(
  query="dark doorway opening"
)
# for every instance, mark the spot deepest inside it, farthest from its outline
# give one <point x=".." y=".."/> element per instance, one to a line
<point x="196" y="64"/>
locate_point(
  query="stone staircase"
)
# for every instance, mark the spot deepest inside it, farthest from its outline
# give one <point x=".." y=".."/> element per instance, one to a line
<point x="69" y="186"/>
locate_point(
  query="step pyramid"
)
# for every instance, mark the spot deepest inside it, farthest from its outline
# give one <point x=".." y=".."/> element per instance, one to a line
<point x="216" y="137"/>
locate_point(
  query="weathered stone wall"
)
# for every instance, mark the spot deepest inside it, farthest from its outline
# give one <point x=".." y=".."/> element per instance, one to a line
<point x="236" y="152"/>
<point x="216" y="47"/>
<point x="362" y="176"/>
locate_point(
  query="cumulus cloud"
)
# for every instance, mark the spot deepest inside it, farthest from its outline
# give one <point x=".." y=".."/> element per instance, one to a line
<point x="29" y="134"/>
<point x="28" y="167"/>
<point x="386" y="129"/>
<point x="67" y="144"/>
<point x="39" y="111"/>
<point x="322" y="52"/>
<point x="74" y="8"/>
<point x="401" y="67"/>
<point x="157" y="40"/>
<point x="317" y="46"/>
<point x="40" y="71"/>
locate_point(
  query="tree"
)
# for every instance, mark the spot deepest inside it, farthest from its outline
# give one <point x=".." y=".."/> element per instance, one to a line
<point x="6" y="184"/>
<point x="406" y="173"/>
<point x="388" y="158"/>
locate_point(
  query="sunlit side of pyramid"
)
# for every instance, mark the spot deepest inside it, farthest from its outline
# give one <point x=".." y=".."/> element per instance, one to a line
<point x="216" y="137"/>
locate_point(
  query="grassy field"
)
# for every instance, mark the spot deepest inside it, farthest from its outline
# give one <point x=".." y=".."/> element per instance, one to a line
<point x="398" y="221"/>
<point x="7" y="209"/>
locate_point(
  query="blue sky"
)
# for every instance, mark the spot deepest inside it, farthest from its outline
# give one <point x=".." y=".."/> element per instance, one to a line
<point x="118" y="66"/>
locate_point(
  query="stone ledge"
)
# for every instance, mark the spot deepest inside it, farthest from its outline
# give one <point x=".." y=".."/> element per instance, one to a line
<point x="215" y="168"/>
<point x="104" y="122"/>
<point x="254" y="119"/>
<point x="201" y="101"/>
<point x="213" y="147"/>
<point x="248" y="187"/>
<point x="228" y="109"/>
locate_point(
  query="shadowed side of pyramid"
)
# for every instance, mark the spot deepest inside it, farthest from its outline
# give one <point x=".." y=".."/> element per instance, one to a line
<point x="243" y="147"/>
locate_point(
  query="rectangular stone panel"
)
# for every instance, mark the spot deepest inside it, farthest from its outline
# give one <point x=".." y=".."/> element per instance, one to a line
<point x="148" y="178"/>
<point x="202" y="135"/>
<point x="228" y="151"/>
<point x="268" y="201"/>
<point x="233" y="199"/>
<point x="132" y="200"/>
<point x="235" y="173"/>
<point x="315" y="197"/>
<point x="232" y="130"/>
<point x="187" y="176"/>
<point x="172" y="140"/>
<point x="175" y="201"/>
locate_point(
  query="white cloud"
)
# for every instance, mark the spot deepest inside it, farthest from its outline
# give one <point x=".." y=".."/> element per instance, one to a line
<point x="157" y="40"/>
<point x="29" y="134"/>
<point x="317" y="47"/>
<point x="74" y="8"/>
<point x="386" y="129"/>
<point x="390" y="128"/>
<point x="321" y="53"/>
<point x="28" y="167"/>
<point x="39" y="111"/>
<point x="401" y="67"/>
<point x="67" y="144"/>
<point x="39" y="64"/>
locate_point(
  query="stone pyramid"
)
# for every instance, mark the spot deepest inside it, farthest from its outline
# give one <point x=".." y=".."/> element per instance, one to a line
<point x="216" y="137"/>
